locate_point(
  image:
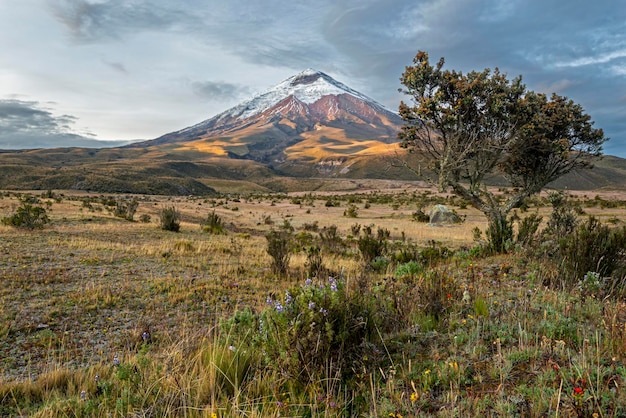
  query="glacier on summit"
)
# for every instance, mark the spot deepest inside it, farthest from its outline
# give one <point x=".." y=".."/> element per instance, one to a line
<point x="308" y="87"/>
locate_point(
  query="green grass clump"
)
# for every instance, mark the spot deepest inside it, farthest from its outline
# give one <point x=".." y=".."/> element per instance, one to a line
<point x="213" y="224"/>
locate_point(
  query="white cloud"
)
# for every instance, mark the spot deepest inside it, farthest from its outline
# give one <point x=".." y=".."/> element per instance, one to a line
<point x="602" y="58"/>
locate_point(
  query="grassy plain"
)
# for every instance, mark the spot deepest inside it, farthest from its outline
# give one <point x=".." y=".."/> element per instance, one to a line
<point x="100" y="316"/>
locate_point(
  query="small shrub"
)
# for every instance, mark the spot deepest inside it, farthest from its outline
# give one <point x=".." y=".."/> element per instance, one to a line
<point x="313" y="262"/>
<point x="351" y="212"/>
<point x="499" y="236"/>
<point x="407" y="254"/>
<point x="213" y="224"/>
<point x="591" y="284"/>
<point x="477" y="235"/>
<point x="527" y="230"/>
<point x="170" y="219"/>
<point x="145" y="218"/>
<point x="379" y="264"/>
<point x="313" y="226"/>
<point x="409" y="270"/>
<point x="420" y="216"/>
<point x="563" y="219"/>
<point x="125" y="209"/>
<point x="287" y="226"/>
<point x="28" y="216"/>
<point x="278" y="243"/>
<point x="371" y="247"/>
<point x="434" y="253"/>
<point x="331" y="240"/>
<point x="592" y="247"/>
<point x="318" y="331"/>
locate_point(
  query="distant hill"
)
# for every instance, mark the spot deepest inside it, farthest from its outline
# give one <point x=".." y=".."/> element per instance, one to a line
<point x="310" y="126"/>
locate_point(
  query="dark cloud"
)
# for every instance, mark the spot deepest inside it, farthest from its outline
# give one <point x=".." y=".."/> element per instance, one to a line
<point x="219" y="91"/>
<point x="274" y="32"/>
<point x="114" y="18"/>
<point x="17" y="116"/>
<point x="25" y="124"/>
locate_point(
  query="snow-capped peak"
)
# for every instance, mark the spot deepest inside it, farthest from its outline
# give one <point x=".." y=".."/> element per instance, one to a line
<point x="307" y="86"/>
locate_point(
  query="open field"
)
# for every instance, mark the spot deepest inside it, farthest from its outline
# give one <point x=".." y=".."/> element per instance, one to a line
<point x="91" y="289"/>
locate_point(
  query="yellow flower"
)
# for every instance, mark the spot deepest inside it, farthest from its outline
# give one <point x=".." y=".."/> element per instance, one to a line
<point x="427" y="371"/>
<point x="414" y="396"/>
<point x="213" y="415"/>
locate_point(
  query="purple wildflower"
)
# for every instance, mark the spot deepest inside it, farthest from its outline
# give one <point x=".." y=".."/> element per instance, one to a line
<point x="333" y="284"/>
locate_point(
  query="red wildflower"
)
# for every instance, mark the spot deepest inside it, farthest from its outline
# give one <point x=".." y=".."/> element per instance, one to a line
<point x="578" y="391"/>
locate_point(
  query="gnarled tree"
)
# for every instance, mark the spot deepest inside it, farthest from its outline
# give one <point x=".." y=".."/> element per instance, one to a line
<point x="463" y="128"/>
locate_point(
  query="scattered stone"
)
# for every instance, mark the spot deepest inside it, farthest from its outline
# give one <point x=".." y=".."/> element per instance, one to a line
<point x="441" y="215"/>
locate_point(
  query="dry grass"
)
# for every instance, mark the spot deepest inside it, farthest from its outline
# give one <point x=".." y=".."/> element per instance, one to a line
<point x="89" y="287"/>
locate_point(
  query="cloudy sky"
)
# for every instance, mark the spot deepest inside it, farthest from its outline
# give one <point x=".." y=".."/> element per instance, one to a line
<point x="76" y="71"/>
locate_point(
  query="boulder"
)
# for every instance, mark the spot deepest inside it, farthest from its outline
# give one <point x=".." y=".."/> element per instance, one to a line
<point x="441" y="215"/>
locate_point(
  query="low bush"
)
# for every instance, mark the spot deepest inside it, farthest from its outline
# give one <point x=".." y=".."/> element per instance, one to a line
<point x="213" y="224"/>
<point x="28" y="216"/>
<point x="278" y="247"/>
<point x="125" y="208"/>
<point x="372" y="247"/>
<point x="170" y="219"/>
<point x="331" y="240"/>
<point x="420" y="216"/>
<point x="527" y="230"/>
<point x="351" y="212"/>
<point x="593" y="247"/>
<point x="314" y="263"/>
<point x="318" y="331"/>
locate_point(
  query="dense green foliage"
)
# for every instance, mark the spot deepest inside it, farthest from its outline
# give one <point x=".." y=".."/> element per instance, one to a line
<point x="464" y="128"/>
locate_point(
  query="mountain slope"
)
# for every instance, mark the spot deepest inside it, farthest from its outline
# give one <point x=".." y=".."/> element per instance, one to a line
<point x="309" y="107"/>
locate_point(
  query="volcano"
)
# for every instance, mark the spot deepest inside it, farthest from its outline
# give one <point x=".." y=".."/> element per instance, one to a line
<point x="308" y="117"/>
